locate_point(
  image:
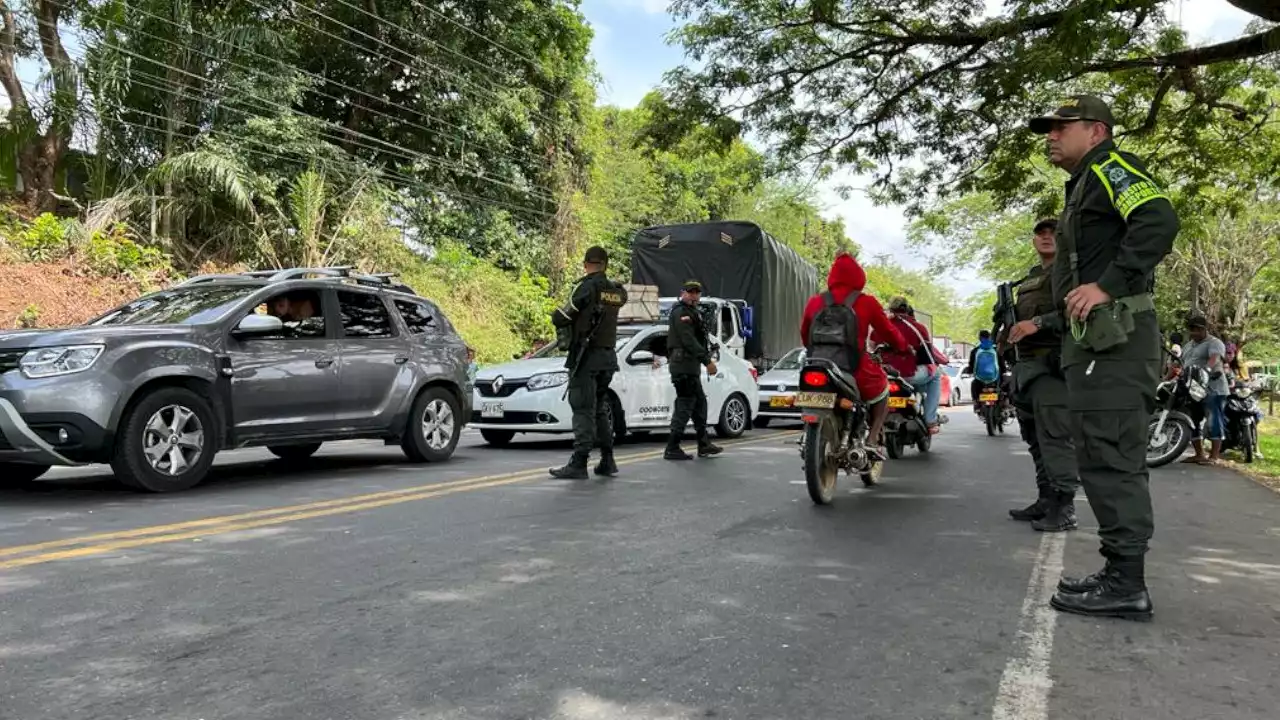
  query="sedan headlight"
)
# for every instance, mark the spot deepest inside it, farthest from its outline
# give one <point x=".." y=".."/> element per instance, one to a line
<point x="54" y="361"/>
<point x="548" y="380"/>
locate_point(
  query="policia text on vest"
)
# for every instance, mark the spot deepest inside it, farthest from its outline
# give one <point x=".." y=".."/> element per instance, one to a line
<point x="588" y="326"/>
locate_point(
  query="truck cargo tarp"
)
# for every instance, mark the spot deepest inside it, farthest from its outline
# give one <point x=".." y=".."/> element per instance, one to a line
<point x="733" y="261"/>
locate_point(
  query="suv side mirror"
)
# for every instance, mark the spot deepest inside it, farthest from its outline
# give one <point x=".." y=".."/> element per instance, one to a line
<point x="640" y="357"/>
<point x="256" y="324"/>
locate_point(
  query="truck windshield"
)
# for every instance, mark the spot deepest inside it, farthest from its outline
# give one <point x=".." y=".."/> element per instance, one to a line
<point x="179" y="306"/>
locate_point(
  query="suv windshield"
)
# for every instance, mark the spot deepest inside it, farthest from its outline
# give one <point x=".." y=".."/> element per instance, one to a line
<point x="180" y="306"/>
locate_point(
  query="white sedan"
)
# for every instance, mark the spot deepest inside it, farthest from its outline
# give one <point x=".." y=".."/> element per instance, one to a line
<point x="778" y="389"/>
<point x="528" y="396"/>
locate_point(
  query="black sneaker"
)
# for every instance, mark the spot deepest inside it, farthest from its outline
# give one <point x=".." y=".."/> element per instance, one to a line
<point x="676" y="453"/>
<point x="708" y="449"/>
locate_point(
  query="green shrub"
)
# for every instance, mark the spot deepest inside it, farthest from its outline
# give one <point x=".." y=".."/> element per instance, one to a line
<point x="45" y="239"/>
<point x="113" y="252"/>
<point x="29" y="318"/>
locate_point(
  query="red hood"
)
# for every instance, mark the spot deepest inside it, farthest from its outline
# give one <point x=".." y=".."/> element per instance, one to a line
<point x="846" y="275"/>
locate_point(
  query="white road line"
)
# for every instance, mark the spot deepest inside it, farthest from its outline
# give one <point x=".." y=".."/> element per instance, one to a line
<point x="1025" y="683"/>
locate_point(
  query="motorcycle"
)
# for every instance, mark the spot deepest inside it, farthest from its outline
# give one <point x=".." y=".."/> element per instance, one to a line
<point x="994" y="406"/>
<point x="1242" y="418"/>
<point x="835" y="430"/>
<point x="904" y="425"/>
<point x="1171" y="428"/>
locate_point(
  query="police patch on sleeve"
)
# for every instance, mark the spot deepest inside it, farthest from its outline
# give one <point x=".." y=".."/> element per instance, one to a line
<point x="1129" y="189"/>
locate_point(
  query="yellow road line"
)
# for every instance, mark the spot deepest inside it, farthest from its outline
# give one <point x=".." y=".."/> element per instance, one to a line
<point x="141" y="537"/>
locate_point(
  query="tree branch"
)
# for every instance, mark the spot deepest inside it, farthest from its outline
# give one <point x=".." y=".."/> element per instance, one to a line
<point x="1248" y="46"/>
<point x="18" y="106"/>
<point x="1265" y="9"/>
<point x="1166" y="84"/>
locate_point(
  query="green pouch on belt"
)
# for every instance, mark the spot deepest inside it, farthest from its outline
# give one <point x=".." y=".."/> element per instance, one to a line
<point x="1108" y="327"/>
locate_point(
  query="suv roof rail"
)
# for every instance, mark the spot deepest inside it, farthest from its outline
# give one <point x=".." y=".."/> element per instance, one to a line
<point x="210" y="278"/>
<point x="294" y="273"/>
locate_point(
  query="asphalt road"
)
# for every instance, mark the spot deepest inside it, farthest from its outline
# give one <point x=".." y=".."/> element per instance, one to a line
<point x="360" y="587"/>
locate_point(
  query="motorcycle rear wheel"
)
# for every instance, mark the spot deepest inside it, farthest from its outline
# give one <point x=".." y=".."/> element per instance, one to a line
<point x="820" y="467"/>
<point x="989" y="415"/>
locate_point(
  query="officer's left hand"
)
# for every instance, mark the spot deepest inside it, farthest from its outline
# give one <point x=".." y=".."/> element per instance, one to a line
<point x="1082" y="300"/>
<point x="1023" y="329"/>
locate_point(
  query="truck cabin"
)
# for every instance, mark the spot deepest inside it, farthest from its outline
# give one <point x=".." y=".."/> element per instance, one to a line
<point x="722" y="319"/>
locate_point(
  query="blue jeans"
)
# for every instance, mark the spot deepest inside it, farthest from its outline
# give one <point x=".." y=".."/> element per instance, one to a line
<point x="1215" y="417"/>
<point x="931" y="385"/>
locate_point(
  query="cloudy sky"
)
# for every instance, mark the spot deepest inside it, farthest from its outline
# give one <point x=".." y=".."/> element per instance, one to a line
<point x="631" y="55"/>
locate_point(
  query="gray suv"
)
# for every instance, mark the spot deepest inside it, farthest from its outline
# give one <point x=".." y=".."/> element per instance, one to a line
<point x="282" y="359"/>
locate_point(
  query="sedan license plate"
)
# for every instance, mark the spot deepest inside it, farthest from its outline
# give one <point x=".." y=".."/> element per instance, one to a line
<point x="780" y="401"/>
<point x="988" y="397"/>
<point x="491" y="410"/>
<point x="897" y="402"/>
<point x="816" y="400"/>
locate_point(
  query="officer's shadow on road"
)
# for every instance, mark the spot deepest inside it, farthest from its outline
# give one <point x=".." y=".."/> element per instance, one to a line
<point x="223" y="478"/>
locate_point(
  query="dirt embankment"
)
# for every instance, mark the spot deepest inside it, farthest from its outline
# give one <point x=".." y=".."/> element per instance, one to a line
<point x="57" y="294"/>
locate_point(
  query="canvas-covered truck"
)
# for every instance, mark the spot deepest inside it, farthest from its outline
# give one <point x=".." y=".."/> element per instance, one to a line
<point x="739" y="262"/>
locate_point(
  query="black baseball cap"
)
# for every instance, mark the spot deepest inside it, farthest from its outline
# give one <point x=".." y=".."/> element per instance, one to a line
<point x="1074" y="108"/>
<point x="596" y="255"/>
<point x="692" y="286"/>
<point x="1046" y="224"/>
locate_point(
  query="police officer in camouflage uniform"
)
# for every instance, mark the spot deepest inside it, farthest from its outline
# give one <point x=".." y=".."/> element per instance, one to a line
<point x="1117" y="226"/>
<point x="689" y="349"/>
<point x="588" y="325"/>
<point x="1041" y="397"/>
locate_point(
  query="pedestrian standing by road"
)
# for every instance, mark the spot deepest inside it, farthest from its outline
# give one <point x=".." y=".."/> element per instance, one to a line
<point x="1208" y="352"/>
<point x="1115" y="229"/>
<point x="588" y="326"/>
<point x="1041" y="394"/>
<point x="689" y="350"/>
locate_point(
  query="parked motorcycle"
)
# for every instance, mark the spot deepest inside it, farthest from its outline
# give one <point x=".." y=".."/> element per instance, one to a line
<point x="1242" y="415"/>
<point x="994" y="407"/>
<point x="904" y="425"/>
<point x="1171" y="428"/>
<point x="835" y="430"/>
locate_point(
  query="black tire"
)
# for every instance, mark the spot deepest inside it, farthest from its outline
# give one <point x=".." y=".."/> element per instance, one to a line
<point x="989" y="415"/>
<point x="130" y="463"/>
<point x="1250" y="441"/>
<point x="435" y="409"/>
<point x="20" y="475"/>
<point x="820" y="471"/>
<point x="761" y="422"/>
<point x="294" y="453"/>
<point x="735" y="417"/>
<point x="893" y="445"/>
<point x="617" y="419"/>
<point x="498" y="438"/>
<point x="1179" y="437"/>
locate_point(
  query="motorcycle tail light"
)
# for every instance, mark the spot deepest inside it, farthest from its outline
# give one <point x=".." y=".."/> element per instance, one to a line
<point x="814" y="378"/>
<point x="809" y="419"/>
<point x="894" y="387"/>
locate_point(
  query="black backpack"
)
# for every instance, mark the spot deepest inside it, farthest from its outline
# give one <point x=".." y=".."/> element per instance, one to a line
<point x="833" y="333"/>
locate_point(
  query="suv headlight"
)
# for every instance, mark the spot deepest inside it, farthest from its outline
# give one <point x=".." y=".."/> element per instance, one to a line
<point x="548" y="380"/>
<point x="54" y="361"/>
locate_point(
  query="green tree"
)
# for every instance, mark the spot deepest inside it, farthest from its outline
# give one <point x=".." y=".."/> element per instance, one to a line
<point x="871" y="84"/>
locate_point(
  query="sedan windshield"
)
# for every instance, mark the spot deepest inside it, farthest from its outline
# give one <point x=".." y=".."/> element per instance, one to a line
<point x="791" y="361"/>
<point x="179" y="306"/>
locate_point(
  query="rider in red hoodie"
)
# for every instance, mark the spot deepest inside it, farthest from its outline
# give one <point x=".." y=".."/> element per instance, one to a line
<point x="847" y="276"/>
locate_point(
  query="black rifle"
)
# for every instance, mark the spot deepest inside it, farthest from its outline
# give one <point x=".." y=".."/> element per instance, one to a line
<point x="579" y="352"/>
<point x="1005" y="313"/>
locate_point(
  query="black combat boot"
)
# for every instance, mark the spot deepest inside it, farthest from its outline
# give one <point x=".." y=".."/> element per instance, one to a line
<point x="1120" y="593"/>
<point x="575" y="470"/>
<point x="706" y="448"/>
<point x="607" y="466"/>
<point x="675" y="452"/>
<point x="1077" y="585"/>
<point x="1060" y="514"/>
<point x="1035" y="510"/>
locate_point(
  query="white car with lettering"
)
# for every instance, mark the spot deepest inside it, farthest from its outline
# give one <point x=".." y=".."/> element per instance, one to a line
<point x="528" y="396"/>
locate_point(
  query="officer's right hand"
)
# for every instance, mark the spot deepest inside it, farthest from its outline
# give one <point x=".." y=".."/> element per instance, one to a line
<point x="1026" y="328"/>
<point x="711" y="368"/>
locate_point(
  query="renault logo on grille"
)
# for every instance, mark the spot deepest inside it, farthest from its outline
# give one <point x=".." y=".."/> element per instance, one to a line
<point x="497" y="384"/>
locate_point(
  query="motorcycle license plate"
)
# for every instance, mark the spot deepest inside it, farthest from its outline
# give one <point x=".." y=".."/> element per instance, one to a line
<point x="780" y="401"/>
<point x="816" y="400"/>
<point x="988" y="397"/>
<point x="898" y="402"/>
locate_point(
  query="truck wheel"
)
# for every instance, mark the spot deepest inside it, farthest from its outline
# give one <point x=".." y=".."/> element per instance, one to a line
<point x="498" y="438"/>
<point x="20" y="475"/>
<point x="167" y="441"/>
<point x="734" y="417"/>
<point x="434" y="429"/>
<point x="294" y="453"/>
